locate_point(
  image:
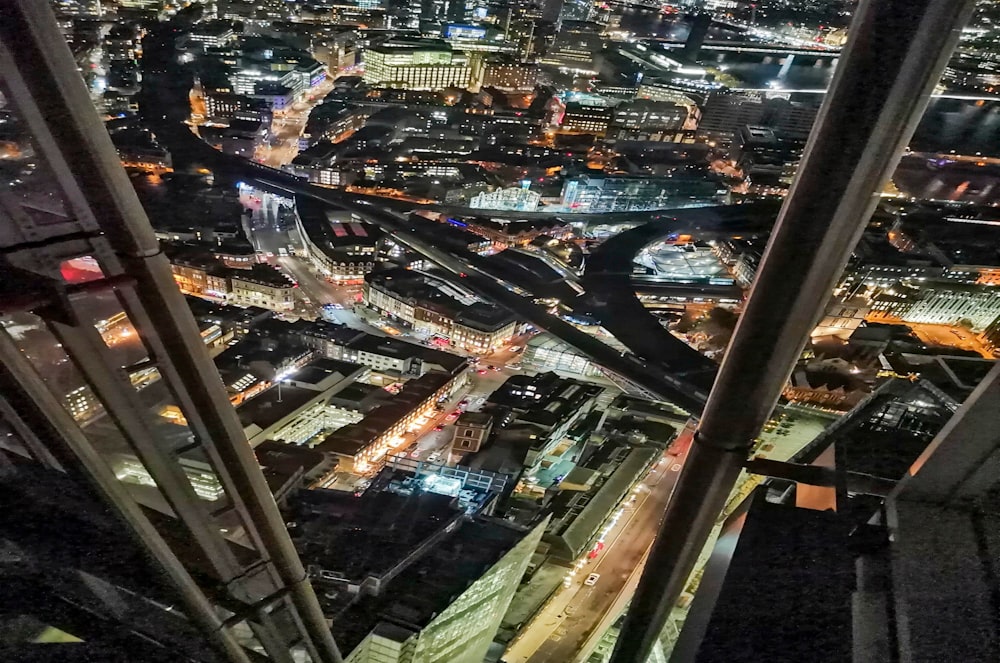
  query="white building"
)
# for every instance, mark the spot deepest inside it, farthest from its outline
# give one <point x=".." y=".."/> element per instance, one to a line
<point x="513" y="198"/>
<point x="949" y="305"/>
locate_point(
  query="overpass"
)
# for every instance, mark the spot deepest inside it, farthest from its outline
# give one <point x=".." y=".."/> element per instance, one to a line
<point x="608" y="274"/>
<point x="666" y="367"/>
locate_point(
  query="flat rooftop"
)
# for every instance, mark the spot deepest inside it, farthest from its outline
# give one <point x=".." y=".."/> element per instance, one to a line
<point x="320" y="369"/>
<point x="266" y="409"/>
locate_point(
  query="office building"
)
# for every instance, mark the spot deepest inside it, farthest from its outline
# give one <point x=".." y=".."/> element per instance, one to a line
<point x="574" y="48"/>
<point x="765" y="156"/>
<point x="725" y="114"/>
<point x="230" y="106"/>
<point x="422" y="65"/>
<point x="945" y="304"/>
<point x="615" y="193"/>
<point x="212" y="34"/>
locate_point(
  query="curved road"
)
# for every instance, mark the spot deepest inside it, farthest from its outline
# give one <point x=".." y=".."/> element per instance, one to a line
<point x="612" y="296"/>
<point x="674" y="372"/>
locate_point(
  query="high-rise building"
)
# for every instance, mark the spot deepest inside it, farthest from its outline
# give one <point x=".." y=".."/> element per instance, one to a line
<point x="105" y="378"/>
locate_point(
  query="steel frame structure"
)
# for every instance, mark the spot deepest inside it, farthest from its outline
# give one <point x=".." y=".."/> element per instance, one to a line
<point x="896" y="53"/>
<point x="233" y="564"/>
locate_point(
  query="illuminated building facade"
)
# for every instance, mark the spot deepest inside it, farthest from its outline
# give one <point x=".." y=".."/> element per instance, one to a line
<point x="511" y="76"/>
<point x="422" y="65"/>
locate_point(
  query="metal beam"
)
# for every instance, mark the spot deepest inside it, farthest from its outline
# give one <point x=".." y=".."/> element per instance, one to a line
<point x="40" y="74"/>
<point x="896" y="54"/>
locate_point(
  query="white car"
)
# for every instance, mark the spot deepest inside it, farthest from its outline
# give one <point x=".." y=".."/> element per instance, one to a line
<point x="592" y="579"/>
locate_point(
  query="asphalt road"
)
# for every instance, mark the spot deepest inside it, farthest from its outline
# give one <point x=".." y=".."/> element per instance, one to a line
<point x="287" y="128"/>
<point x="163" y="104"/>
<point x="560" y="630"/>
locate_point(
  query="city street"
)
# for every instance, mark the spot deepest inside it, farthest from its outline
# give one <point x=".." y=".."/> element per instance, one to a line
<point x="287" y="127"/>
<point x="570" y="617"/>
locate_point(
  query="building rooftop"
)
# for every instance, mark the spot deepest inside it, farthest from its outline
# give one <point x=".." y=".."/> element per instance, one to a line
<point x="266" y="409"/>
<point x="284" y="464"/>
<point x="267" y="88"/>
<point x="319" y="370"/>
<point x="263" y="275"/>
<point x="418" y="563"/>
<point x="543" y="399"/>
<point x="370" y="536"/>
<point x="484" y="317"/>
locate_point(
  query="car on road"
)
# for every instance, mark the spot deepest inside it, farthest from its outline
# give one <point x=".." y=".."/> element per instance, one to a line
<point x="464" y="402"/>
<point x="592" y="579"/>
<point x="439" y="427"/>
<point x="482" y="371"/>
<point x="452" y="416"/>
